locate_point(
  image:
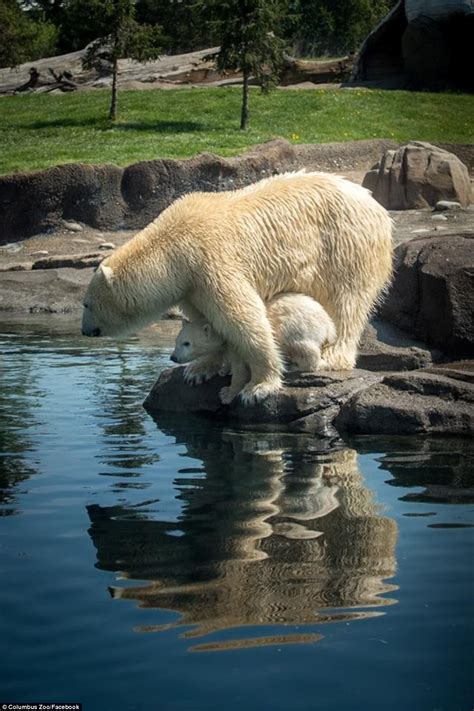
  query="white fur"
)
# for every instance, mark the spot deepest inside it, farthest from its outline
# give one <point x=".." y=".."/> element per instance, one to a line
<point x="300" y="325"/>
<point x="221" y="255"/>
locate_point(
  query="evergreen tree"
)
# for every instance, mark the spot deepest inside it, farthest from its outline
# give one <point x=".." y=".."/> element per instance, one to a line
<point x="247" y="31"/>
<point x="23" y="39"/>
<point x="125" y="39"/>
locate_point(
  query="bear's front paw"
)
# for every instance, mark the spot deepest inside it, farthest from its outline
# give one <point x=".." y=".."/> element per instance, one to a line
<point x="252" y="394"/>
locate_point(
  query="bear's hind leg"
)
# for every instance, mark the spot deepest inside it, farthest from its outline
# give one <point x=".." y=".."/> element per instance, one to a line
<point x="350" y="313"/>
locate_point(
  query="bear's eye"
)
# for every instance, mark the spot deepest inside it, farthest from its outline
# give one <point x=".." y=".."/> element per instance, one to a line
<point x="186" y="344"/>
<point x="86" y="306"/>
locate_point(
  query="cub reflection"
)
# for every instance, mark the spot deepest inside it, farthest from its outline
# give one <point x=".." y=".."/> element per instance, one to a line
<point x="276" y="532"/>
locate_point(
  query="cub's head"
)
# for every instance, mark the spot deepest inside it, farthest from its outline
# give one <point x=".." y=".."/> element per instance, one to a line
<point x="196" y="338"/>
<point x="102" y="315"/>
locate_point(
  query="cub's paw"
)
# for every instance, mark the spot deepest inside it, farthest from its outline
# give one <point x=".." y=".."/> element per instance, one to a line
<point x="252" y="394"/>
<point x="193" y="375"/>
<point x="201" y="370"/>
<point x="226" y="395"/>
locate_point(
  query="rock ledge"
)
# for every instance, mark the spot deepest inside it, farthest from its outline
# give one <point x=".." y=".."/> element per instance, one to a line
<point x="437" y="400"/>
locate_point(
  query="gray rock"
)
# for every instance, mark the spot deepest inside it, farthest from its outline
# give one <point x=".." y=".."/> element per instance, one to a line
<point x="72" y="226"/>
<point x="443" y="205"/>
<point x="44" y="291"/>
<point x="432" y="292"/>
<point x="418" y="175"/>
<point x="309" y="402"/>
<point x="437" y="400"/>
<point x="107" y="245"/>
<point x="416" y="403"/>
<point x="74" y="261"/>
<point x="385" y="347"/>
<point x="439" y="217"/>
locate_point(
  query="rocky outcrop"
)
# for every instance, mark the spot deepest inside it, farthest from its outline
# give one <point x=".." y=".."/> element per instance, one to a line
<point x="308" y="403"/>
<point x="420" y="44"/>
<point x="418" y="175"/>
<point x="432" y="293"/>
<point x="413" y="403"/>
<point x="428" y="401"/>
<point x="385" y="347"/>
<point x="43" y="291"/>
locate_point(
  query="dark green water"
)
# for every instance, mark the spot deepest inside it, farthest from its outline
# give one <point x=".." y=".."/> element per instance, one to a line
<point x="183" y="564"/>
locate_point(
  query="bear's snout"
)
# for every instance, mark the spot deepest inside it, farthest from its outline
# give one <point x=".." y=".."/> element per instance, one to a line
<point x="94" y="333"/>
<point x="173" y="358"/>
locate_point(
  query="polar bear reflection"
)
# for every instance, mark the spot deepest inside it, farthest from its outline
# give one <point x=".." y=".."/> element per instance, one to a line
<point x="276" y="533"/>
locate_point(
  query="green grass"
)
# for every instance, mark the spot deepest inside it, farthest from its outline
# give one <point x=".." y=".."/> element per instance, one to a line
<point x="37" y="131"/>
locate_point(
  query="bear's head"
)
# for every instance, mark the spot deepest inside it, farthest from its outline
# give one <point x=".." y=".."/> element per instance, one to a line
<point x="104" y="311"/>
<point x="196" y="338"/>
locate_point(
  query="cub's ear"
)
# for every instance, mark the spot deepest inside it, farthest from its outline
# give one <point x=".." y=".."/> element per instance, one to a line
<point x="107" y="272"/>
<point x="207" y="329"/>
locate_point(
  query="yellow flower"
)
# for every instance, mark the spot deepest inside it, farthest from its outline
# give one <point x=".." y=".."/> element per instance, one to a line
<point x="294" y="136"/>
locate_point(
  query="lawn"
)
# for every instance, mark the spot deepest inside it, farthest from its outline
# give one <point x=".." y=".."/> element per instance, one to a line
<point x="37" y="131"/>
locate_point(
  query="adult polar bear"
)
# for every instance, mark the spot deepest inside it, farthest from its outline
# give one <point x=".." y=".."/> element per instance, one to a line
<point x="221" y="255"/>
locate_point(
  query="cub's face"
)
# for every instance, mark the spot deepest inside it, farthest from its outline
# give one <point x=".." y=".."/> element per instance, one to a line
<point x="195" y="340"/>
<point x="101" y="315"/>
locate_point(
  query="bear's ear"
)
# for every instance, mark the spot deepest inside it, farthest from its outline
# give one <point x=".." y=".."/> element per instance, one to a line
<point x="207" y="329"/>
<point x="107" y="272"/>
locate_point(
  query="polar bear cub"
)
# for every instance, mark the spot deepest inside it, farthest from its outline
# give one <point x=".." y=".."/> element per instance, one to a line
<point x="300" y="326"/>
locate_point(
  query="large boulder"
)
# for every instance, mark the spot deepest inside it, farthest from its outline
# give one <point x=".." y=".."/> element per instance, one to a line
<point x="432" y="293"/>
<point x="418" y="175"/>
<point x="440" y="402"/>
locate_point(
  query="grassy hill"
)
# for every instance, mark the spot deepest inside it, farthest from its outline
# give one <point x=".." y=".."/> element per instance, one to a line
<point x="37" y="131"/>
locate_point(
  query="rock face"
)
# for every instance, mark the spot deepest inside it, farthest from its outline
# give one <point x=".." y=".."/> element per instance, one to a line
<point x="430" y="401"/>
<point x="418" y="175"/>
<point x="43" y="290"/>
<point x="432" y="293"/>
<point x="411" y="403"/>
<point x="385" y="347"/>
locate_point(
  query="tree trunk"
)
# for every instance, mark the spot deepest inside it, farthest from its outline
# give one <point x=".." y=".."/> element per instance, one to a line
<point x="244" y="116"/>
<point x="113" y="103"/>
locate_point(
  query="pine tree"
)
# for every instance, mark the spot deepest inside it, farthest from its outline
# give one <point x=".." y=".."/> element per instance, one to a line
<point x="247" y="31"/>
<point x="126" y="39"/>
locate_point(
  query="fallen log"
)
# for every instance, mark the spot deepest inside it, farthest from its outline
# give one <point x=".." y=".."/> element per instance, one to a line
<point x="296" y="71"/>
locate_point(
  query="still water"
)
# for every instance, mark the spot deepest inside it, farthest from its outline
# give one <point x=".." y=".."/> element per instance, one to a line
<point x="186" y="564"/>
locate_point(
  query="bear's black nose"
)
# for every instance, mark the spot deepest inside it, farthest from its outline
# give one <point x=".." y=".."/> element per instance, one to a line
<point x="173" y="358"/>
